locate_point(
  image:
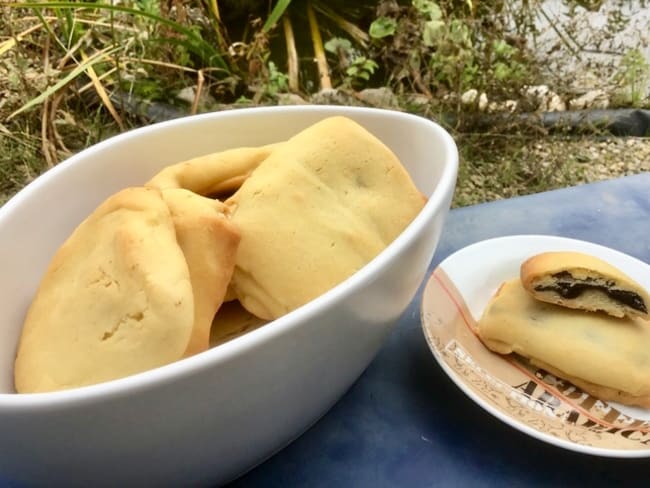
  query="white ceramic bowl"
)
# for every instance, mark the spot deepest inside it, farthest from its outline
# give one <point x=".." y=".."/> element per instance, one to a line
<point x="211" y="417"/>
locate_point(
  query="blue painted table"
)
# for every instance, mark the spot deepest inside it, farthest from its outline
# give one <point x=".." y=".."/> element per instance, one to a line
<point x="404" y="423"/>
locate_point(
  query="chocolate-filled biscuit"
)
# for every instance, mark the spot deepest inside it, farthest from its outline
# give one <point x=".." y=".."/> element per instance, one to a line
<point x="580" y="281"/>
<point x="605" y="356"/>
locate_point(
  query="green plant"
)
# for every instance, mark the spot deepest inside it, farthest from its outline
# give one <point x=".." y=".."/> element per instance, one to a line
<point x="634" y="72"/>
<point x="361" y="69"/>
<point x="445" y="47"/>
<point x="432" y="20"/>
<point x="277" y="81"/>
<point x="453" y="58"/>
<point x="382" y="27"/>
<point x="340" y="46"/>
<point x="506" y="65"/>
<point x="355" y="68"/>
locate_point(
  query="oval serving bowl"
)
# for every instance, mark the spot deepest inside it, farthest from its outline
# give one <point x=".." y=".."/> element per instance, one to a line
<point x="208" y="418"/>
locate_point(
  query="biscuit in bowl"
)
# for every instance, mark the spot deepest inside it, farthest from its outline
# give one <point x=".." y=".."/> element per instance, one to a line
<point x="79" y="329"/>
<point x="209" y="243"/>
<point x="314" y="212"/>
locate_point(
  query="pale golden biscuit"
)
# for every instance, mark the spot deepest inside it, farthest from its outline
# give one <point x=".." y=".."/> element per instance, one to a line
<point x="231" y="321"/>
<point x="605" y="356"/>
<point x="315" y="211"/>
<point x="209" y="243"/>
<point x="213" y="174"/>
<point x="115" y="300"/>
<point x="581" y="281"/>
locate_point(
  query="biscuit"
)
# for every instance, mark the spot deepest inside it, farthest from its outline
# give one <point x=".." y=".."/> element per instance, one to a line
<point x="605" y="356"/>
<point x="213" y="174"/>
<point x="315" y="211"/>
<point x="80" y="329"/>
<point x="581" y="281"/>
<point x="209" y="243"/>
<point x="231" y="321"/>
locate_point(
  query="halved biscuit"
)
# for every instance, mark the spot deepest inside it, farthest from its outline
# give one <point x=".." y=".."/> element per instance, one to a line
<point x="315" y="211"/>
<point x="605" y="356"/>
<point x="580" y="281"/>
<point x="115" y="300"/>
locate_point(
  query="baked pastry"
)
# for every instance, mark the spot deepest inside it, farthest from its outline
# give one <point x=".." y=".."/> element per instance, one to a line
<point x="80" y="329"/>
<point x="232" y="320"/>
<point x="213" y="174"/>
<point x="581" y="281"/>
<point x="209" y="243"/>
<point x="316" y="210"/>
<point x="605" y="356"/>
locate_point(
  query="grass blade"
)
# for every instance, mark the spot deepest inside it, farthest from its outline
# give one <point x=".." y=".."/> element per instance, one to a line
<point x="13" y="41"/>
<point x="319" y="50"/>
<point x="358" y="34"/>
<point x="99" y="88"/>
<point x="275" y="15"/>
<point x="292" y="53"/>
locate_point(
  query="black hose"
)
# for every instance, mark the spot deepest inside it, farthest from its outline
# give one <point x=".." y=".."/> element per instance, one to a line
<point x="619" y="122"/>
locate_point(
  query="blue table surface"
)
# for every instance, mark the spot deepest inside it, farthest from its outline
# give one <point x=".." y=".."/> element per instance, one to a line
<point x="404" y="423"/>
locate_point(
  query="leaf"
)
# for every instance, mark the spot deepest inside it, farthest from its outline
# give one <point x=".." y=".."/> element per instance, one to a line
<point x="430" y="32"/>
<point x="352" y="71"/>
<point x="428" y="8"/>
<point x="336" y="44"/>
<point x="382" y="27"/>
<point x="275" y="14"/>
<point x="370" y="65"/>
<point x="502" y="71"/>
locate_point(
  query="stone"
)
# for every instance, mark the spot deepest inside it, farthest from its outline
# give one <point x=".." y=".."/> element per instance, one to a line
<point x="597" y="99"/>
<point x="510" y="105"/>
<point x="555" y="103"/>
<point x="469" y="97"/>
<point x="482" y="102"/>
<point x="543" y="99"/>
<point x="379" y="97"/>
<point x="334" y="96"/>
<point x="417" y="101"/>
<point x="291" y="99"/>
<point x="536" y="92"/>
<point x="186" y="94"/>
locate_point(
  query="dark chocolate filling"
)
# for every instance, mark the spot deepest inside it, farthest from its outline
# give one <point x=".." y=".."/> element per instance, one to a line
<point x="575" y="288"/>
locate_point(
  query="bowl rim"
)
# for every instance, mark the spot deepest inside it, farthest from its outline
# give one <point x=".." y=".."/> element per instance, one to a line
<point x="223" y="352"/>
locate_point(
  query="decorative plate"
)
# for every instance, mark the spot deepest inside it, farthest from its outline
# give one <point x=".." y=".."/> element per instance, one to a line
<point x="527" y="398"/>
